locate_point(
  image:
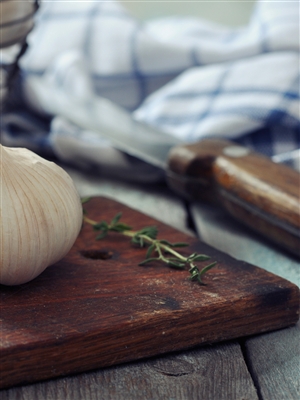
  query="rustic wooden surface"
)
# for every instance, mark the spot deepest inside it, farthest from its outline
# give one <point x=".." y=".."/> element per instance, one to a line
<point x="273" y="359"/>
<point x="97" y="307"/>
<point x="261" y="367"/>
<point x="212" y="373"/>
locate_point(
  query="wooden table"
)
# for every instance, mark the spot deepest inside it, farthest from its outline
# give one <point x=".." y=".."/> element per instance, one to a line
<point x="265" y="366"/>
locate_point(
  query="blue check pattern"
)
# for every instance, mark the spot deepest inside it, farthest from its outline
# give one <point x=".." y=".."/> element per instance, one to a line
<point x="186" y="76"/>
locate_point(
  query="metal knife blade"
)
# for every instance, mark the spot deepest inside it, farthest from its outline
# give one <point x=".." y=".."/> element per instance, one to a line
<point x="253" y="189"/>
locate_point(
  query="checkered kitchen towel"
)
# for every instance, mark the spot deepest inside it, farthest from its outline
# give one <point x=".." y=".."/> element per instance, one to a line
<point x="189" y="77"/>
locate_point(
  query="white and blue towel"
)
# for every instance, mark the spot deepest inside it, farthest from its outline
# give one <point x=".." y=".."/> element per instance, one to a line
<point x="186" y="76"/>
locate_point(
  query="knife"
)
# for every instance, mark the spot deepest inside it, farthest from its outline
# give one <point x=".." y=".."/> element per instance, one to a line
<point x="252" y="188"/>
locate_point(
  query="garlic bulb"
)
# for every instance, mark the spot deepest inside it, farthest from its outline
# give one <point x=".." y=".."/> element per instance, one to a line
<point x="40" y="214"/>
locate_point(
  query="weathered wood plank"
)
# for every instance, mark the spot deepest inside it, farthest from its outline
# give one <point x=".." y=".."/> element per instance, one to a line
<point x="273" y="358"/>
<point x="210" y="373"/>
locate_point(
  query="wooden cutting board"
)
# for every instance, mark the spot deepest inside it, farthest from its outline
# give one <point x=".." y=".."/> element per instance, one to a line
<point x="97" y="307"/>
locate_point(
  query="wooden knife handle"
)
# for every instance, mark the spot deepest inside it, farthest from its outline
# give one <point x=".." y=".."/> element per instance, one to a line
<point x="253" y="189"/>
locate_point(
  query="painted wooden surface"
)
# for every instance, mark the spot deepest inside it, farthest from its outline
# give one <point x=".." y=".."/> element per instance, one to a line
<point x="230" y="370"/>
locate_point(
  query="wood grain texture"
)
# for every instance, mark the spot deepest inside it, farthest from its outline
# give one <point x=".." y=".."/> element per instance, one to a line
<point x="274" y="361"/>
<point x="210" y="373"/>
<point x="261" y="194"/>
<point x="85" y="313"/>
<point x="273" y="358"/>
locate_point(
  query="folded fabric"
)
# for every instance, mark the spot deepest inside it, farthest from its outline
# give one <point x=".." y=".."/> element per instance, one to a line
<point x="186" y="76"/>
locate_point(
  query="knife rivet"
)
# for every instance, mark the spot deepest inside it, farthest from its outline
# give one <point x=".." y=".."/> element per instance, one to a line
<point x="235" y="151"/>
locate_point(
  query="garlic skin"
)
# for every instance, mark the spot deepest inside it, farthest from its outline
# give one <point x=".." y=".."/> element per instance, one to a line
<point x="40" y="214"/>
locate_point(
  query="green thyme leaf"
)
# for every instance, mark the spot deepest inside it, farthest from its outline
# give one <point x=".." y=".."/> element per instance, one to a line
<point x="148" y="260"/>
<point x="200" y="257"/>
<point x="163" y="248"/>
<point x="175" y="264"/>
<point x="101" y="235"/>
<point x="180" y="244"/>
<point x="150" y="250"/>
<point x="116" y="219"/>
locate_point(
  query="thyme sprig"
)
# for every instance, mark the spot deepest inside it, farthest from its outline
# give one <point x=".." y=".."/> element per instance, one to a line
<point x="158" y="250"/>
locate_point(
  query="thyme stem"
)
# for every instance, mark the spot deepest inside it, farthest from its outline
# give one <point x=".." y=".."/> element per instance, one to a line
<point x="158" y="250"/>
